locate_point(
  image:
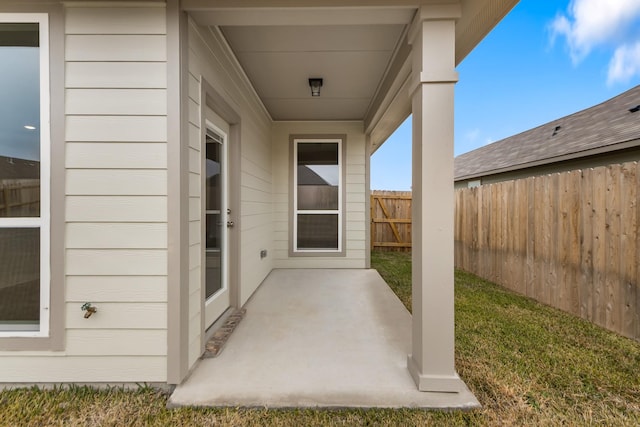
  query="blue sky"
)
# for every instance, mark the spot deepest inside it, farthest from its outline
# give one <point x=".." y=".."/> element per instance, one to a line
<point x="20" y="107"/>
<point x="545" y="60"/>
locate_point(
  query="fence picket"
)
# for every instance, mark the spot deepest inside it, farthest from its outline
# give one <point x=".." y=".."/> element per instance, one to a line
<point x="586" y="254"/>
<point x="540" y="242"/>
<point x="628" y="248"/>
<point x="550" y="282"/>
<point x="19" y="197"/>
<point x="599" y="245"/>
<point x="612" y="248"/>
<point x="574" y="184"/>
<point x="636" y="282"/>
<point x="570" y="240"/>
<point x="530" y="238"/>
<point x="564" y="230"/>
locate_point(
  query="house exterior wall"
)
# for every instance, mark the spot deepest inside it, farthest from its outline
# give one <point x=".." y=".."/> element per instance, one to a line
<point x="115" y="226"/>
<point x="211" y="62"/>
<point x="355" y="203"/>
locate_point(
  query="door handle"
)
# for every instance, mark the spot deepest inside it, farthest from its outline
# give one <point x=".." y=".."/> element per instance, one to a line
<point x="229" y="224"/>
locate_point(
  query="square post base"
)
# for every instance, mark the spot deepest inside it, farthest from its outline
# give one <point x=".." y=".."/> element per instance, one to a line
<point x="434" y="383"/>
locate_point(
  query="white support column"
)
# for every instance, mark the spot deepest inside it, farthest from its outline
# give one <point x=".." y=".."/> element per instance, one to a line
<point x="431" y="362"/>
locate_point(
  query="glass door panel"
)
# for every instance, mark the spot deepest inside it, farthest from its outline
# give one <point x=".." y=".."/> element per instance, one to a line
<point x="213" y="214"/>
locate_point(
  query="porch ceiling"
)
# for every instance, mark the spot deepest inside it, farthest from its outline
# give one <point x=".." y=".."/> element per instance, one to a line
<point x="279" y="60"/>
<point x="358" y="47"/>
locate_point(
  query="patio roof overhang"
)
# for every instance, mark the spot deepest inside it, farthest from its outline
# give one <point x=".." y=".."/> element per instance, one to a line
<point x="359" y="47"/>
<point x="381" y="60"/>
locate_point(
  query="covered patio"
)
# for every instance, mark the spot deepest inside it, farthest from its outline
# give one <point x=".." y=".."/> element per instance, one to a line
<point x="319" y="332"/>
<point x="316" y="338"/>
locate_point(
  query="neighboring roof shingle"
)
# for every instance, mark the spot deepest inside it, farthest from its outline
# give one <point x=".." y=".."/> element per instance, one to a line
<point x="604" y="125"/>
<point x="12" y="168"/>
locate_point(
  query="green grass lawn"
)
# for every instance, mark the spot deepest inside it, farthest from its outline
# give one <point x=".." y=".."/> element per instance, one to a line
<point x="528" y="364"/>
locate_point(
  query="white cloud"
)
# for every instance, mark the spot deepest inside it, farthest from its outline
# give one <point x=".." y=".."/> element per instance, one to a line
<point x="602" y="23"/>
<point x="475" y="138"/>
<point x="472" y="135"/>
<point x="624" y="64"/>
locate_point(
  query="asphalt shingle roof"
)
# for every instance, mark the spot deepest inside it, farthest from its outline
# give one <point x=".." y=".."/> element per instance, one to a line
<point x="604" y="126"/>
<point x="12" y="168"/>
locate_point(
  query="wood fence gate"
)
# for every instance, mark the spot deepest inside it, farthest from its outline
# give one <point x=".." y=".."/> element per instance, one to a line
<point x="391" y="220"/>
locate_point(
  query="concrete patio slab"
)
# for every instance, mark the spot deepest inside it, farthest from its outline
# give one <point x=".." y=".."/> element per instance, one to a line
<point x="316" y="338"/>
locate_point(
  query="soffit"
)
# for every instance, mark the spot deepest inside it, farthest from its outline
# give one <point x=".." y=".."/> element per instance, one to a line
<point x="279" y="60"/>
<point x="280" y="44"/>
<point x="356" y="46"/>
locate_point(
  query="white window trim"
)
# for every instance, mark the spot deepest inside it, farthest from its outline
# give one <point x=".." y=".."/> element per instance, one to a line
<point x="297" y="211"/>
<point x="43" y="222"/>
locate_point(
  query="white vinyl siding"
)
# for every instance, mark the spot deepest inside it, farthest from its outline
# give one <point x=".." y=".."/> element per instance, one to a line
<point x="116" y="187"/>
<point x="117" y="288"/>
<point x="116" y="200"/>
<point x="116" y="128"/>
<point x="116" y="75"/>
<point x="117" y="262"/>
<point x="129" y="21"/>
<point x="116" y="208"/>
<point x="112" y="155"/>
<point x="116" y="101"/>
<point x="131" y="182"/>
<point x="135" y="48"/>
<point x="209" y="60"/>
<point x="116" y="235"/>
<point x="195" y="332"/>
<point x="137" y="342"/>
<point x="63" y="367"/>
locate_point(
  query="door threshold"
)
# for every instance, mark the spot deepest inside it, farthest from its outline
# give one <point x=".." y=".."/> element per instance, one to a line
<point x="221" y="330"/>
<point x="208" y="333"/>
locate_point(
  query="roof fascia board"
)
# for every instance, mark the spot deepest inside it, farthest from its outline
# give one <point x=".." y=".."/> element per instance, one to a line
<point x="122" y="3"/>
<point x="244" y="4"/>
<point x="611" y="148"/>
<point x="396" y="112"/>
<point x="392" y="104"/>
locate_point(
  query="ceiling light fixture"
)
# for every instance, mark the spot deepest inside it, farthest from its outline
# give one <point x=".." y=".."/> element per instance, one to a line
<point x="315" y="84"/>
<point x="29" y="127"/>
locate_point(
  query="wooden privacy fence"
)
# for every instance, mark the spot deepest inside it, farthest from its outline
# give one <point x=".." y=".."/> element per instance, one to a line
<point x="19" y="197"/>
<point x="391" y="220"/>
<point x="569" y="240"/>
